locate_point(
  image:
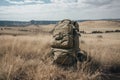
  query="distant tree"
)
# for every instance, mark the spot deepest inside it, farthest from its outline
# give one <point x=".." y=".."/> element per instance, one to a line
<point x="32" y="21"/>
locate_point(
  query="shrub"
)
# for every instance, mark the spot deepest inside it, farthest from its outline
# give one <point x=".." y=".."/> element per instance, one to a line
<point x="82" y="32"/>
<point x="117" y="30"/>
<point x="2" y="28"/>
<point x="82" y="42"/>
<point x="100" y="36"/>
<point x="97" y="32"/>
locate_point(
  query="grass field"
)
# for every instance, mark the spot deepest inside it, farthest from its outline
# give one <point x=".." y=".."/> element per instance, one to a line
<point x="25" y="57"/>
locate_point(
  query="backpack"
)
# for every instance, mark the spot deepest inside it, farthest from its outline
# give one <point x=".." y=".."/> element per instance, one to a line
<point x="63" y="34"/>
<point x="64" y="57"/>
<point x="65" y="43"/>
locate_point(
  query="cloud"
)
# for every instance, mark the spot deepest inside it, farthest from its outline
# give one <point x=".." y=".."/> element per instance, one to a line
<point x="60" y="9"/>
<point x="18" y="2"/>
<point x="64" y="1"/>
<point x="98" y="2"/>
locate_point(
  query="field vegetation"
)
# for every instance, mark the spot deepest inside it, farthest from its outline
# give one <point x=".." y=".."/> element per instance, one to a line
<point x="26" y="57"/>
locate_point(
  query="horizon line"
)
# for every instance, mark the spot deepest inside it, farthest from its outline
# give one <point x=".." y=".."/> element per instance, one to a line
<point x="62" y="19"/>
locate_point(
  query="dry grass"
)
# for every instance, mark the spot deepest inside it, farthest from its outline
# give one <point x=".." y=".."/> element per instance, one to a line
<point x="105" y="49"/>
<point x="26" y="58"/>
<point x="89" y="26"/>
<point x="28" y="30"/>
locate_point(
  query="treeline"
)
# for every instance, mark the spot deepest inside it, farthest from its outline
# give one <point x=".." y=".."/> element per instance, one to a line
<point x="14" y="23"/>
<point x="25" y="23"/>
<point x="95" y="32"/>
<point x="110" y="31"/>
<point x="32" y="22"/>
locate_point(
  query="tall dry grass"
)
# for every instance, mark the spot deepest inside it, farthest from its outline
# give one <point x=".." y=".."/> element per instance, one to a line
<point x="26" y="58"/>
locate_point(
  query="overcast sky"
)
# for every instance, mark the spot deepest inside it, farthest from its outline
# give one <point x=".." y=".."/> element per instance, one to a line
<point x="58" y="9"/>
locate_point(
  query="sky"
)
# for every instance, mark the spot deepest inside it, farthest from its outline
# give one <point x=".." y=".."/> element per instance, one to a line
<point x="25" y="10"/>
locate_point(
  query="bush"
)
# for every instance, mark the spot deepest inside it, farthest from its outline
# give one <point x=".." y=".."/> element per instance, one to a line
<point x="23" y="30"/>
<point x="1" y="28"/>
<point x="117" y="30"/>
<point x="97" y="32"/>
<point x="82" y="42"/>
<point x="82" y="32"/>
<point x="108" y="31"/>
<point x="100" y="36"/>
